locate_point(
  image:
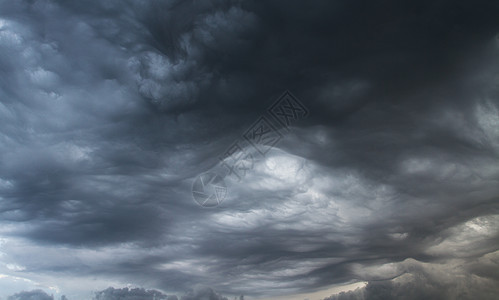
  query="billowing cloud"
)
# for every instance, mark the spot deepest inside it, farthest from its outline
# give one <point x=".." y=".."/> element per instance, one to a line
<point x="31" y="295"/>
<point x="200" y="292"/>
<point x="427" y="281"/>
<point x="128" y="294"/>
<point x="109" y="110"/>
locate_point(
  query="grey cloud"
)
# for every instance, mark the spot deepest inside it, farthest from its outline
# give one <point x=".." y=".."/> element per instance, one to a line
<point x="419" y="283"/>
<point x="31" y="295"/>
<point x="197" y="293"/>
<point x="202" y="293"/>
<point x="109" y="110"/>
<point x="128" y="294"/>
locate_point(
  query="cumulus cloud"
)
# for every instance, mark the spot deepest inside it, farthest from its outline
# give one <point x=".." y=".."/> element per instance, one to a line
<point x="128" y="294"/>
<point x="31" y="295"/>
<point x="200" y="292"/>
<point x="110" y="109"/>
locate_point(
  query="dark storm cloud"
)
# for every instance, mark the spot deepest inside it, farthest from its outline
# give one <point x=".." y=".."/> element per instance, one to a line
<point x="109" y="109"/>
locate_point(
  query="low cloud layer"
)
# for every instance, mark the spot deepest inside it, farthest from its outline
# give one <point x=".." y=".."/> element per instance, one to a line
<point x="129" y="294"/>
<point x="454" y="279"/>
<point x="31" y="295"/>
<point x="198" y="293"/>
<point x="109" y="110"/>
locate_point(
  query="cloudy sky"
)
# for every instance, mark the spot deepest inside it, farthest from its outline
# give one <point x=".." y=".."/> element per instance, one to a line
<point x="382" y="183"/>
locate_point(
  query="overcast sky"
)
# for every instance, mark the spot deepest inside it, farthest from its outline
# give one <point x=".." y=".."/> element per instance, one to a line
<point x="384" y="185"/>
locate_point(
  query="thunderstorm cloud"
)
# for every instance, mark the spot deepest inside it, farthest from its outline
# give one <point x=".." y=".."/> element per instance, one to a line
<point x="109" y="111"/>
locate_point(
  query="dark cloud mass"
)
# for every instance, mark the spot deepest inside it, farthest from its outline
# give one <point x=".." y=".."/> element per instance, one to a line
<point x="110" y="109"/>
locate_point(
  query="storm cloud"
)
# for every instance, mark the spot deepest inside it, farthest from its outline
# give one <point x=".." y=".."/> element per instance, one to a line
<point x="109" y="110"/>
